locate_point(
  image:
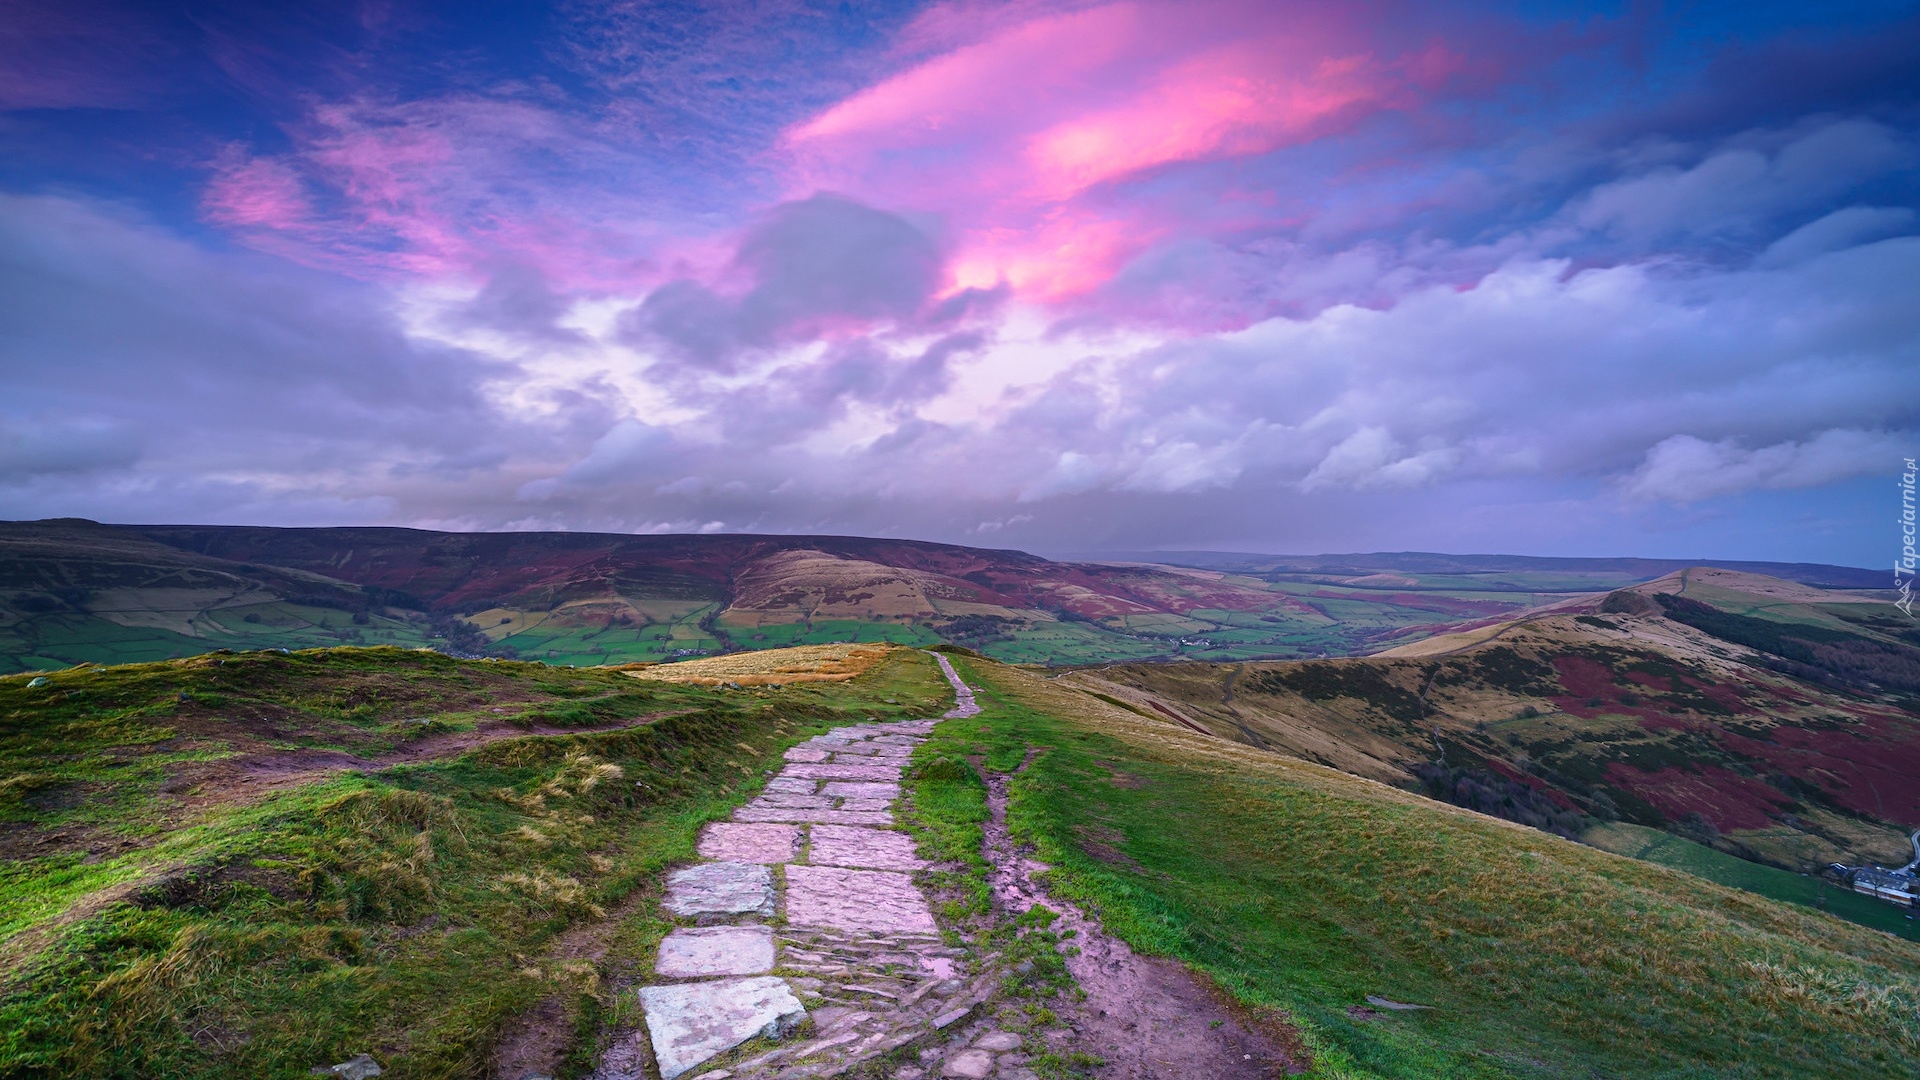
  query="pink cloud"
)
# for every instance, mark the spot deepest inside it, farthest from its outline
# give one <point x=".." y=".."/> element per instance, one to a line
<point x="439" y="188"/>
<point x="1028" y="135"/>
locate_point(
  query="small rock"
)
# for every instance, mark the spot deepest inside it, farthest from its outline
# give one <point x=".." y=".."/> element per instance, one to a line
<point x="969" y="1065"/>
<point x="910" y="1072"/>
<point x="37" y="680"/>
<point x="999" y="1041"/>
<point x="357" y="1067"/>
<point x="948" y="1019"/>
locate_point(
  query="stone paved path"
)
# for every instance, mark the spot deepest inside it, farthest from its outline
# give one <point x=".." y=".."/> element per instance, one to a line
<point x="858" y="951"/>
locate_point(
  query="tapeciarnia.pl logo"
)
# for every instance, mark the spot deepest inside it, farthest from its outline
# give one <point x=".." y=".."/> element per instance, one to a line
<point x="1903" y="567"/>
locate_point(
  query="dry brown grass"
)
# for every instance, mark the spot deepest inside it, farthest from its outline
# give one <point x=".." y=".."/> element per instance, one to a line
<point x="801" y="663"/>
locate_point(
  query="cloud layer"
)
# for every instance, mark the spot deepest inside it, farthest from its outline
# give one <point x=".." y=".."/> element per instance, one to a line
<point x="1057" y="276"/>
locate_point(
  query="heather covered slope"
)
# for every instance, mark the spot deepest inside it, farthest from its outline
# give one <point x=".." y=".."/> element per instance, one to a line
<point x="1772" y="720"/>
<point x="78" y="592"/>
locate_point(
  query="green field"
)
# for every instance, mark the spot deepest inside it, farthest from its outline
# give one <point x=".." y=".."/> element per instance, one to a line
<point x="1655" y="846"/>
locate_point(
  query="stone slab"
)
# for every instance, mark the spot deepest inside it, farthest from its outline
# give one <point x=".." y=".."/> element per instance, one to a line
<point x="873" y="849"/>
<point x="859" y="749"/>
<point x="874" y="901"/>
<point x="799" y="802"/>
<point x="969" y="1065"/>
<point x="797" y="815"/>
<point x="861" y="789"/>
<point x="806" y="753"/>
<point x="865" y="804"/>
<point x="791" y="785"/>
<point x="720" y="888"/>
<point x="838" y="771"/>
<point x="701" y="952"/>
<point x="728" y="841"/>
<point x="998" y="1041"/>
<point x="691" y="1022"/>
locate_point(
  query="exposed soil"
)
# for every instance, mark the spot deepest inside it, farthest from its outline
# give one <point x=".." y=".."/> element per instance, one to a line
<point x="1145" y="1017"/>
<point x="533" y="1042"/>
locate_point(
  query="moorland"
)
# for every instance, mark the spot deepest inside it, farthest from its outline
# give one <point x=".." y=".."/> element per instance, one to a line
<point x="80" y="592"/>
<point x="1577" y="811"/>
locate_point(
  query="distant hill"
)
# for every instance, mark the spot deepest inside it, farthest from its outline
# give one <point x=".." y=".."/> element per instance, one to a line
<point x="1763" y="717"/>
<point x="1621" y="571"/>
<point x="73" y="591"/>
<point x="78" y="591"/>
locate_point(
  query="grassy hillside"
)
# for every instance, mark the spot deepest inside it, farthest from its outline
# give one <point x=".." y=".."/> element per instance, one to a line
<point x="1753" y="715"/>
<point x="245" y="865"/>
<point x="1302" y="889"/>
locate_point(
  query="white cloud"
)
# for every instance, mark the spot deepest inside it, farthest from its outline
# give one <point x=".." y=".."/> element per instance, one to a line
<point x="1837" y="231"/>
<point x="1738" y="188"/>
<point x="1686" y="469"/>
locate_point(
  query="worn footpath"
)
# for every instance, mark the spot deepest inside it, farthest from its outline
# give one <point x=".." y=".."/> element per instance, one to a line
<point x="807" y="908"/>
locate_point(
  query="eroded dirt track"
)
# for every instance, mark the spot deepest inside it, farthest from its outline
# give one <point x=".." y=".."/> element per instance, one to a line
<point x="1146" y="1018"/>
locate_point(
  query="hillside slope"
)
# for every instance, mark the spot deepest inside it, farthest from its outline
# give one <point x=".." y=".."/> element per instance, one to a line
<point x="1766" y="718"/>
<point x="1309" y="892"/>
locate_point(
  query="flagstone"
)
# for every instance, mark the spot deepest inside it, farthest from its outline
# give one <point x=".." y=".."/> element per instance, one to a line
<point x="843" y="771"/>
<point x="698" y="952"/>
<point x="799" y="815"/>
<point x="689" y="1023"/>
<point x="729" y="841"/>
<point x="861" y="789"/>
<point x="873" y="901"/>
<point x="876" y="849"/>
<point x="720" y="888"/>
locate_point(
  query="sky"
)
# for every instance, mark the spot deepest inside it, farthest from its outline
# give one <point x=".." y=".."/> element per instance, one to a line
<point x="1256" y="275"/>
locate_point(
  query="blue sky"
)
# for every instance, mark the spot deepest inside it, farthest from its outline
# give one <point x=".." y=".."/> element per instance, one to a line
<point x="1294" y="277"/>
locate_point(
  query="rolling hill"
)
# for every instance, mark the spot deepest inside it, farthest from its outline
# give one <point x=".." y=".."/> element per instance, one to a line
<point x="77" y="591"/>
<point x="1760" y="717"/>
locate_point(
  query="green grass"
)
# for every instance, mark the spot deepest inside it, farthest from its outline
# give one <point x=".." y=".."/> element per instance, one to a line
<point x="1653" y="845"/>
<point x="1301" y="889"/>
<point x="406" y="912"/>
<point x="51" y="642"/>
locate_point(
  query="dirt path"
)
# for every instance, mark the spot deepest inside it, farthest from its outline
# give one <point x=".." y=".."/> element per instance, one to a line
<point x="1147" y="1018"/>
